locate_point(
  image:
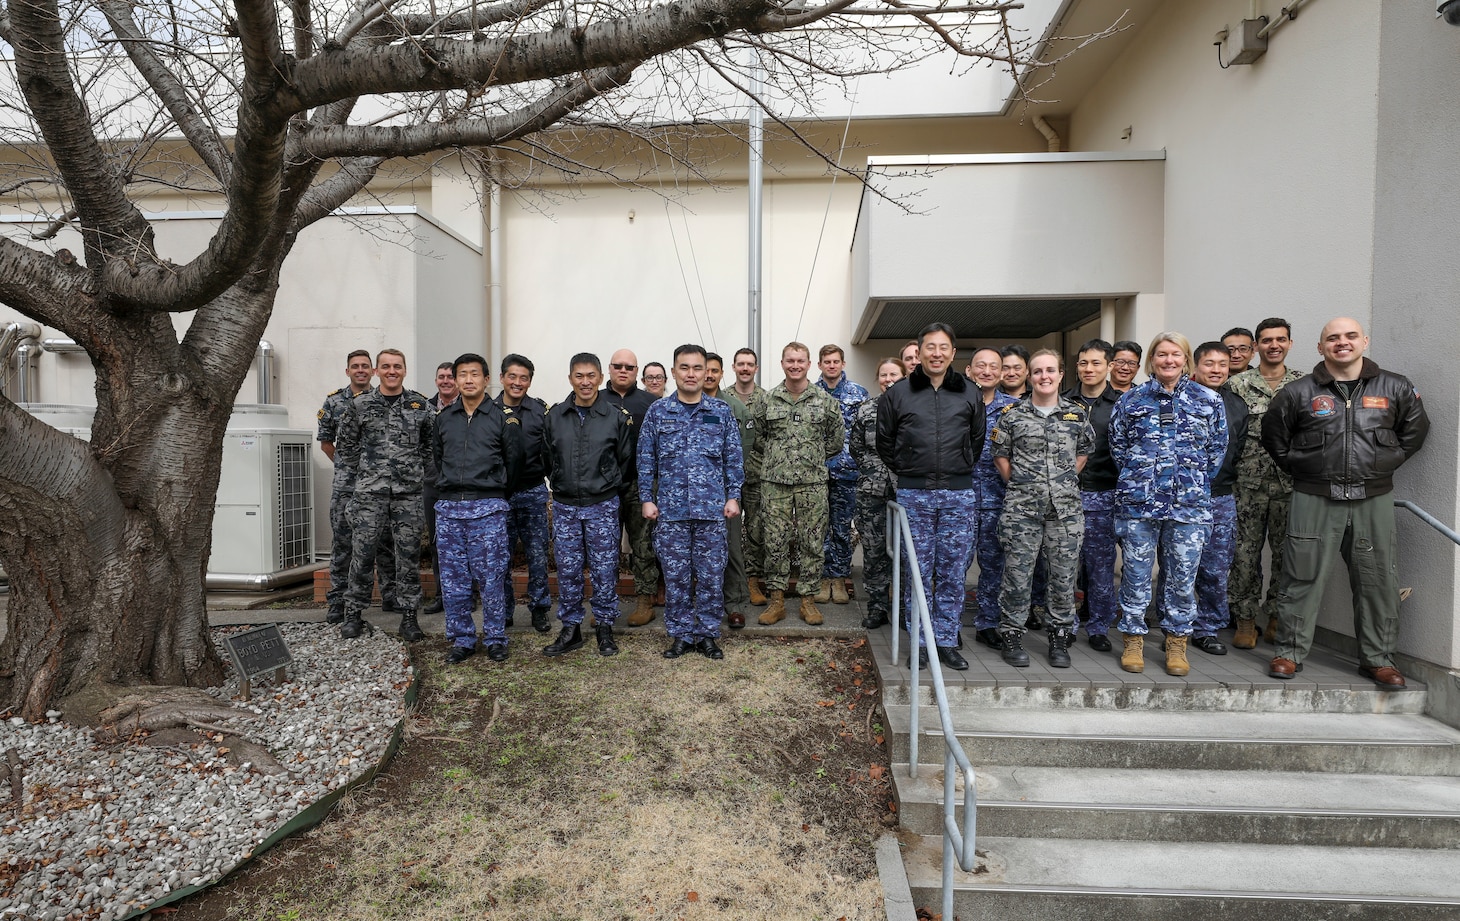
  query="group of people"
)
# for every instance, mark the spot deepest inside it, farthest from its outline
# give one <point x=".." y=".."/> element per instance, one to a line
<point x="738" y="494"/>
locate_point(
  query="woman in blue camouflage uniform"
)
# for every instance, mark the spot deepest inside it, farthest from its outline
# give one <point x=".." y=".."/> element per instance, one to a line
<point x="1167" y="437"/>
<point x="874" y="488"/>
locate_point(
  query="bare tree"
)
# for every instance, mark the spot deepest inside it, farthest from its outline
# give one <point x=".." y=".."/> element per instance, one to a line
<point x="281" y="113"/>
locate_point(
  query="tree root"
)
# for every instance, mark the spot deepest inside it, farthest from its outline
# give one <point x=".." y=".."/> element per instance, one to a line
<point x="165" y="709"/>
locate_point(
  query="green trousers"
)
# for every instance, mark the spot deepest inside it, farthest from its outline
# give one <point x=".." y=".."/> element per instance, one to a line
<point x="1362" y="532"/>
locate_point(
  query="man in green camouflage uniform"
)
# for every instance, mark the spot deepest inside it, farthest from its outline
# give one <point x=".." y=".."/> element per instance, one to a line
<point x="736" y="596"/>
<point x="748" y="392"/>
<point x="1263" y="491"/>
<point x="798" y="428"/>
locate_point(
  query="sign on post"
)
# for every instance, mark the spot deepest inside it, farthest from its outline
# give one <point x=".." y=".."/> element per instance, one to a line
<point x="257" y="651"/>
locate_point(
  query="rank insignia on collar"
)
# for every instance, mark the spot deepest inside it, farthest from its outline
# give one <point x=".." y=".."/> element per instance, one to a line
<point x="1071" y="417"/>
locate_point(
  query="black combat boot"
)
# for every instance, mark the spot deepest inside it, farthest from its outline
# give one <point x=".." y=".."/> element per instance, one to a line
<point x="1013" y="650"/>
<point x="410" y="631"/>
<point x="606" y="645"/>
<point x="569" y="639"/>
<point x="540" y="619"/>
<point x="355" y="625"/>
<point x="1059" y="649"/>
<point x="335" y="616"/>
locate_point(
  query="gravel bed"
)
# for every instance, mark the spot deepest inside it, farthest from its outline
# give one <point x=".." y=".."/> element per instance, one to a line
<point x="108" y="829"/>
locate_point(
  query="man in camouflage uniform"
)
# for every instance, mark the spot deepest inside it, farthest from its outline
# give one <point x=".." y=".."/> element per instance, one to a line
<point x="841" y="486"/>
<point x="1212" y="612"/>
<point x="625" y="394"/>
<point x="988" y="491"/>
<point x="385" y="443"/>
<point x="690" y="467"/>
<point x="1263" y="491"/>
<point x="478" y="450"/>
<point x="1097" y="492"/>
<point x="588" y="448"/>
<point x="360" y="369"/>
<point x="737" y="594"/>
<point x="798" y="427"/>
<point x="527" y="523"/>
<point x="748" y="392"/>
<point x="874" y="489"/>
<point x="1040" y="445"/>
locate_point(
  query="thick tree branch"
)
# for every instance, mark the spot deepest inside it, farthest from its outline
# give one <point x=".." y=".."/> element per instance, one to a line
<point x="454" y="23"/>
<point x="354" y="140"/>
<point x="46" y="288"/>
<point x="96" y="191"/>
<point x="204" y="140"/>
<point x="444" y="64"/>
<point x="321" y="200"/>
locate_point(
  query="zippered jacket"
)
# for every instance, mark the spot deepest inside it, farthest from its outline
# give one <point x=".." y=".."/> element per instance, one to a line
<point x="1345" y="449"/>
<point x="931" y="438"/>
<point x="479" y="455"/>
<point x="589" y="459"/>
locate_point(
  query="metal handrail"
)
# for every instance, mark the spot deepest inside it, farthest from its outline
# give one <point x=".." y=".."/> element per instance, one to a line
<point x="1424" y="516"/>
<point x="958" y="843"/>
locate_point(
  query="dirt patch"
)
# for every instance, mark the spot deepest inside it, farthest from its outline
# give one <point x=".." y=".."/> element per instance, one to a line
<point x="591" y="788"/>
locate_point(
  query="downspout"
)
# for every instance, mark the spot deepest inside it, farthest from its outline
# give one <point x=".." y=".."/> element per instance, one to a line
<point x="61" y="346"/>
<point x="19" y="338"/>
<point x="1049" y="133"/>
<point x="494" y="263"/>
<point x="266" y="371"/>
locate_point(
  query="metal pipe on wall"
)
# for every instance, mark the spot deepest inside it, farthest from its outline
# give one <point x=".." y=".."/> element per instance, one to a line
<point x="266" y="371"/>
<point x="756" y="137"/>
<point x="494" y="265"/>
<point x="59" y="346"/>
<point x="1049" y="133"/>
<point x="26" y="386"/>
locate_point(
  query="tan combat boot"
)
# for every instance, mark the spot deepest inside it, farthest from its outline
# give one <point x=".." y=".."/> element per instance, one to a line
<point x="1133" y="659"/>
<point x="643" y="611"/>
<point x="823" y="594"/>
<point x="839" y="592"/>
<point x="1246" y="636"/>
<point x="757" y="592"/>
<point x="1270" y="634"/>
<point x="1176" y="663"/>
<point x="776" y="612"/>
<point x="809" y="612"/>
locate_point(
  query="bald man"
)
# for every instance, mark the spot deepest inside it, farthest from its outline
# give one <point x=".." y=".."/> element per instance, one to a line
<point x="1340" y="433"/>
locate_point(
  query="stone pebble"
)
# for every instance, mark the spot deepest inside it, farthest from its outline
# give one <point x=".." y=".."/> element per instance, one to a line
<point x="107" y="829"/>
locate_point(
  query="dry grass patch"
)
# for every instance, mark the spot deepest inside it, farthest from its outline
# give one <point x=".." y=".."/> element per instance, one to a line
<point x="590" y="788"/>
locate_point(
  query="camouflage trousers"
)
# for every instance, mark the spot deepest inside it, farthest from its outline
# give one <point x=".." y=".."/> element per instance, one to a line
<point x="1024" y="540"/>
<point x="1178" y="546"/>
<point x="750" y="514"/>
<point x="640" y="533"/>
<point x="342" y="548"/>
<point x="942" y="524"/>
<point x="471" y="539"/>
<point x="586" y="536"/>
<point x="1262" y="517"/>
<point x="692" y="554"/>
<point x="527" y="523"/>
<point x="1212" y="613"/>
<point x="990" y="555"/>
<point x="1097" y="561"/>
<point x="841" y="502"/>
<point x="737" y="592"/>
<point x="876" y="564"/>
<point x="371" y="518"/>
<point x="793" y="518"/>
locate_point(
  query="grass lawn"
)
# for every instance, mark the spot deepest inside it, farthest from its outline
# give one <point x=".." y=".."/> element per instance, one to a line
<point x="591" y="788"/>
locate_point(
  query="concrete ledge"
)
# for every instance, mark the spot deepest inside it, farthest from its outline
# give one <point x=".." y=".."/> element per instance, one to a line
<point x="1443" y="684"/>
<point x="896" y="894"/>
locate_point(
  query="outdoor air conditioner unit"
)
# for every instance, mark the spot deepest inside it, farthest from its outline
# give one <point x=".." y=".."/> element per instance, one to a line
<point x="263" y="520"/>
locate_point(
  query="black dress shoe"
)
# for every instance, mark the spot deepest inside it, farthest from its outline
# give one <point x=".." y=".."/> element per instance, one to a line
<point x="1209" y="645"/>
<point x="1099" y="642"/>
<point x="990" y="638"/>
<point x="922" y="659"/>
<point x="678" y="648"/>
<point x="460" y="654"/>
<point x="952" y="658"/>
<point x="874" y="620"/>
<point x="540" y="619"/>
<point x="434" y="606"/>
<point x="708" y="648"/>
<point x="497" y="652"/>
<point x="508" y="621"/>
<point x="569" y="639"/>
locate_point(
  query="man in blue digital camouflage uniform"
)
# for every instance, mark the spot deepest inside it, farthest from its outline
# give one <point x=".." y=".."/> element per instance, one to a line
<point x="385" y="444"/>
<point x="1212" y="613"/>
<point x="988" y="489"/>
<point x="588" y="450"/>
<point x="360" y="369"/>
<point x="1097" y="491"/>
<point x="527" y="523"/>
<point x="841" y="494"/>
<point x="479" y="451"/>
<point x="690" y="472"/>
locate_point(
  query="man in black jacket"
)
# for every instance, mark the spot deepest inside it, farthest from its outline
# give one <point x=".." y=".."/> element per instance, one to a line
<point x="930" y="432"/>
<point x="479" y="453"/>
<point x="528" y="520"/>
<point x="1340" y="433"/>
<point x="588" y="450"/>
<point x="1097" y="492"/>
<point x="1212" y="613"/>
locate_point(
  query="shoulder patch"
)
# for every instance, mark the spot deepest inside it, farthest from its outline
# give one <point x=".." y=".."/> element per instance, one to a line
<point x="320" y="414"/>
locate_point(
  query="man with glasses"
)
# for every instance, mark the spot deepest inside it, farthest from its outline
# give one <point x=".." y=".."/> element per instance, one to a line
<point x="1264" y="492"/>
<point x="623" y="393"/>
<point x="1124" y="365"/>
<point x="655" y="379"/>
<point x="1238" y="342"/>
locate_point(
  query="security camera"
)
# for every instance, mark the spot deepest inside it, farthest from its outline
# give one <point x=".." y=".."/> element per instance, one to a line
<point x="1450" y="9"/>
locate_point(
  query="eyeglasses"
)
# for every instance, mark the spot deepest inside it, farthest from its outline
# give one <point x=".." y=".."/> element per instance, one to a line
<point x="1239" y="349"/>
<point x="618" y="367"/>
<point x="1124" y="363"/>
<point x="654" y="378"/>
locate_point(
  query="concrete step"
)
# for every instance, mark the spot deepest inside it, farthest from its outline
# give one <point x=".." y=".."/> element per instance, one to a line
<point x="1237" y="682"/>
<point x="1255" y="807"/>
<point x="1172" y="740"/>
<point x="1105" y="880"/>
